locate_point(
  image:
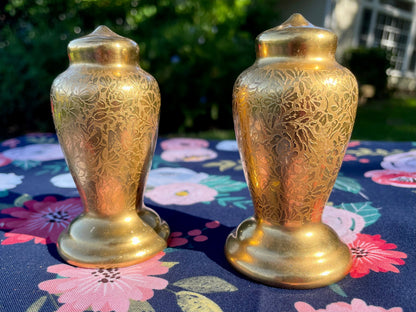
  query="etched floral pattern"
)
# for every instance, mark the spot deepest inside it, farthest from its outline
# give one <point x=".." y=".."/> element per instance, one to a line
<point x="293" y="126"/>
<point x="106" y="119"/>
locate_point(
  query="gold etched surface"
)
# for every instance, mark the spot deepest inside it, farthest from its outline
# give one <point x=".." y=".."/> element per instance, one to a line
<point x="294" y="110"/>
<point x="106" y="114"/>
<point x="108" y="129"/>
<point x="293" y="125"/>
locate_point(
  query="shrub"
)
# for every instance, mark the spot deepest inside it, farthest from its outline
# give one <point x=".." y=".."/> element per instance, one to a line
<point x="195" y="49"/>
<point x="369" y="65"/>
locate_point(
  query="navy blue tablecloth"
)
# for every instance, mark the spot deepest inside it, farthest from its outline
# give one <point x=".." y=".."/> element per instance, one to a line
<point x="198" y="187"/>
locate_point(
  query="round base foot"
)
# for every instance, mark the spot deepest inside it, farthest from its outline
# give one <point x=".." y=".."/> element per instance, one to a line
<point x="151" y="217"/>
<point x="303" y="257"/>
<point x="96" y="242"/>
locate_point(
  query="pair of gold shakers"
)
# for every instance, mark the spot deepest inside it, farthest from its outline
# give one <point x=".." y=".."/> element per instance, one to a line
<point x="294" y="110"/>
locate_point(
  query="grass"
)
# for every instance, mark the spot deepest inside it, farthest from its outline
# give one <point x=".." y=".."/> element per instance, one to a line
<point x="378" y="120"/>
<point x="386" y="120"/>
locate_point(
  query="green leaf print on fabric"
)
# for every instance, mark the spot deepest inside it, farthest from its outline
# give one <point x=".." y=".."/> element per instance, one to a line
<point x="347" y="184"/>
<point x="364" y="209"/>
<point x="223" y="184"/>
<point x="26" y="164"/>
<point x="37" y="305"/>
<point x="192" y="302"/>
<point x="205" y="284"/>
<point x="140" y="306"/>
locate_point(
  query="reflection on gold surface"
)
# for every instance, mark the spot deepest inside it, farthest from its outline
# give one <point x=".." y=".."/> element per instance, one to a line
<point x="294" y="110"/>
<point x="106" y="114"/>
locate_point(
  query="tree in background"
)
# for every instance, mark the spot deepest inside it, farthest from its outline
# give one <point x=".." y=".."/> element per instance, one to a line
<point x="195" y="49"/>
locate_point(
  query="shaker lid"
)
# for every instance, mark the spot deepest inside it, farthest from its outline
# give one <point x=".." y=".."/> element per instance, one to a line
<point x="297" y="37"/>
<point x="104" y="47"/>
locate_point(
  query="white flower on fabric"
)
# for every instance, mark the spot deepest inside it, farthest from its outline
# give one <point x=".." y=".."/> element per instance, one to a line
<point x="347" y="224"/>
<point x="162" y="176"/>
<point x="401" y="162"/>
<point x="64" y="180"/>
<point x="227" y="145"/>
<point x="37" y="152"/>
<point x="9" y="181"/>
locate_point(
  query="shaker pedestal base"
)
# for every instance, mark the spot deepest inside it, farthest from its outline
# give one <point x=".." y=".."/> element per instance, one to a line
<point x="151" y="217"/>
<point x="97" y="242"/>
<point x="303" y="257"/>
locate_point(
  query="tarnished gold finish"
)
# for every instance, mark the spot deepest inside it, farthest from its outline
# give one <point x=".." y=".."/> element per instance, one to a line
<point x="106" y="114"/>
<point x="294" y="110"/>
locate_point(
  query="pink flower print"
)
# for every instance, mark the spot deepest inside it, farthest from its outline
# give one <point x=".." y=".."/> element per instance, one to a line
<point x="4" y="161"/>
<point x="357" y="305"/>
<point x="372" y="253"/>
<point x="181" y="194"/>
<point x="354" y="143"/>
<point x="105" y="290"/>
<point x="42" y="221"/>
<point x="11" y="143"/>
<point x="14" y="238"/>
<point x="188" y="155"/>
<point x="364" y="160"/>
<point x="183" y="143"/>
<point x="399" y="170"/>
<point x="349" y="157"/>
<point x="393" y="177"/>
<point x="347" y="224"/>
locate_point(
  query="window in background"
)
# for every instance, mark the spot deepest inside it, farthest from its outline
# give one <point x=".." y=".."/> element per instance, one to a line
<point x="391" y="24"/>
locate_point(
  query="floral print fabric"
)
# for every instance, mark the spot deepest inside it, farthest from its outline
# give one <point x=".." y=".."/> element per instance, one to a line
<point x="105" y="289"/>
<point x="198" y="187"/>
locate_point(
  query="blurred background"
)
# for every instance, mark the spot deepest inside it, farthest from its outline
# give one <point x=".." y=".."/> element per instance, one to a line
<point x="196" y="50"/>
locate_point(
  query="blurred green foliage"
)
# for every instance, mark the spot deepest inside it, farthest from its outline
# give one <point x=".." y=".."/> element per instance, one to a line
<point x="369" y="65"/>
<point x="195" y="49"/>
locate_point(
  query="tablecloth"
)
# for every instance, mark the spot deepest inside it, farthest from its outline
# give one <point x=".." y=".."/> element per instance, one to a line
<point x="198" y="187"/>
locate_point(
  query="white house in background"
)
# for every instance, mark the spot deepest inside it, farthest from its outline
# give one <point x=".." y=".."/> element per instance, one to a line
<point x="390" y="24"/>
